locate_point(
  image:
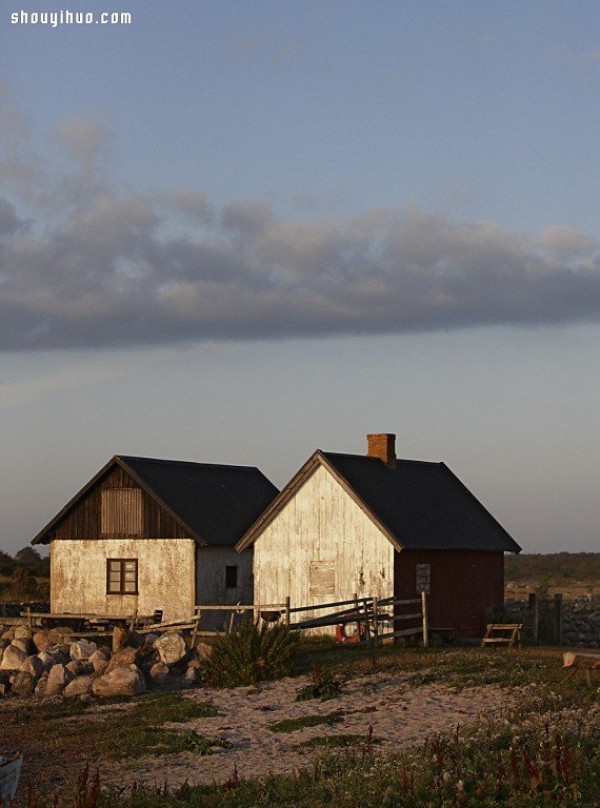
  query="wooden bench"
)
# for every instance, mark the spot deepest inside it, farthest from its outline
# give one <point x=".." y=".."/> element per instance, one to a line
<point x="491" y="634"/>
<point x="577" y="661"/>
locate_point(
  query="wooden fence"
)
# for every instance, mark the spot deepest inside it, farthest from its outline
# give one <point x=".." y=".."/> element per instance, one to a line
<point x="373" y="619"/>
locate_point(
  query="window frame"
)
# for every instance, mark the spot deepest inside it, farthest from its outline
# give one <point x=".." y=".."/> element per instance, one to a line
<point x="229" y="574"/>
<point x="122" y="571"/>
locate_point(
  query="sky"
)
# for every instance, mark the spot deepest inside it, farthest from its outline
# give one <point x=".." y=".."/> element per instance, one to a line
<point x="236" y="232"/>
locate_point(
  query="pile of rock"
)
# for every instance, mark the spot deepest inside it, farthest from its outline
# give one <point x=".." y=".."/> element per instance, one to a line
<point x="581" y="626"/>
<point x="46" y="664"/>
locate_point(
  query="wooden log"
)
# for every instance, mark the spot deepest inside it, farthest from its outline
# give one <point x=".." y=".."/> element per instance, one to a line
<point x="581" y="660"/>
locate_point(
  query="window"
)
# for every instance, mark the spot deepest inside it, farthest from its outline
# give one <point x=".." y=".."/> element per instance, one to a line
<point x="121" y="576"/>
<point x="121" y="512"/>
<point x="231" y="577"/>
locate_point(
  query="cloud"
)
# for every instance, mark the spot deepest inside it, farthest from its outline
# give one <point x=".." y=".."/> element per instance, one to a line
<point x="121" y="269"/>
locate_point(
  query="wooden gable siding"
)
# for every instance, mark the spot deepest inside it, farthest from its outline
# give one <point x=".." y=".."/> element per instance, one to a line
<point x="321" y="547"/>
<point x="83" y="521"/>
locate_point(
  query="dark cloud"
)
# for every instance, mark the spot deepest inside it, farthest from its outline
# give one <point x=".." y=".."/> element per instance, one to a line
<point x="117" y="269"/>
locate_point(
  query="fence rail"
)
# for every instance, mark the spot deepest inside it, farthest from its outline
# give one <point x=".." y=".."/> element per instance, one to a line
<point x="372" y="617"/>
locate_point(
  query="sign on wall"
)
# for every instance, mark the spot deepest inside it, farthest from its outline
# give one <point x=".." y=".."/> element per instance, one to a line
<point x="424" y="578"/>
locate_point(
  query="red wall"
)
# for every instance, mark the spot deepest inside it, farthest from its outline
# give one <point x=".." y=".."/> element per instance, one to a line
<point x="464" y="584"/>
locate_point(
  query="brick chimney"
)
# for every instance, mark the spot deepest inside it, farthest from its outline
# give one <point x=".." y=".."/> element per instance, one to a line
<point x="383" y="446"/>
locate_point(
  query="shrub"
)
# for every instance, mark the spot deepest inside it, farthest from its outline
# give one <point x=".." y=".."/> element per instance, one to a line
<point x="251" y="653"/>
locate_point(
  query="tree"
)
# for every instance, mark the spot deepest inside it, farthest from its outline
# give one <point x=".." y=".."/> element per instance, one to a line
<point x="32" y="561"/>
<point x="7" y="563"/>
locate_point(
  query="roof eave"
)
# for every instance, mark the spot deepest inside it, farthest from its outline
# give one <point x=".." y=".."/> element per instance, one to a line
<point x="114" y="461"/>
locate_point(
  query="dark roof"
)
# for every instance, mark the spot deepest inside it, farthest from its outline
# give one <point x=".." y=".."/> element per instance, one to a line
<point x="419" y="505"/>
<point x="216" y="503"/>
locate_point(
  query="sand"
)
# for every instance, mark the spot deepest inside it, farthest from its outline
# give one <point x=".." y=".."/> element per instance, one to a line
<point x="398" y="714"/>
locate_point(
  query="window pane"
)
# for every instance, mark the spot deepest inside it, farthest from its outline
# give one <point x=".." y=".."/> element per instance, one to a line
<point x="129" y="586"/>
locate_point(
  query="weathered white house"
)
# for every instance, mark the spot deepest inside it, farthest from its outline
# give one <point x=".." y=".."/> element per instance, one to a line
<point x="378" y="526"/>
<point x="151" y="534"/>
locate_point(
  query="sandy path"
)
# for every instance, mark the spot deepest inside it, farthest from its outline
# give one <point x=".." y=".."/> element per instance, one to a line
<point x="398" y="714"/>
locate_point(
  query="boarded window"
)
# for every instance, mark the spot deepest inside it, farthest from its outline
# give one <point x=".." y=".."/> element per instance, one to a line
<point x="121" y="512"/>
<point x="322" y="578"/>
<point x="121" y="576"/>
<point x="231" y="577"/>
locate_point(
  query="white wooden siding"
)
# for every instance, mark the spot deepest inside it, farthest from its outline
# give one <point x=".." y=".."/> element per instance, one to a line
<point x="321" y="547"/>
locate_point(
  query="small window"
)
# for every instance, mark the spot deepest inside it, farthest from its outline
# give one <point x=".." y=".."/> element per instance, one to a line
<point x="122" y="576"/>
<point x="231" y="577"/>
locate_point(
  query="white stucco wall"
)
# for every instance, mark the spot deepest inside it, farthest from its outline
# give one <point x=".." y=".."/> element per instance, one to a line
<point x="165" y="576"/>
<point x="320" y="548"/>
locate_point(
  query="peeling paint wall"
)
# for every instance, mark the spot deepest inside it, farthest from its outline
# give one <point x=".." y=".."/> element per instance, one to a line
<point x="166" y="576"/>
<point x="321" y="547"/>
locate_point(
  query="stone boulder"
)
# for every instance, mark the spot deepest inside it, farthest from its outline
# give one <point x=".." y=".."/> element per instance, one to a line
<point x="203" y="652"/>
<point x="60" y="652"/>
<point x="124" y="656"/>
<point x="40" y="688"/>
<point x="13" y="657"/>
<point x="99" y="661"/>
<point x="159" y="673"/>
<point x="58" y="678"/>
<point x="33" y="665"/>
<point x="41" y="640"/>
<point x="79" y="687"/>
<point x="120" y="638"/>
<point x="46" y="659"/>
<point x="82" y="649"/>
<point x="23" y="684"/>
<point x="24" y="644"/>
<point x="4" y="683"/>
<point x="126" y="680"/>
<point x="171" y="648"/>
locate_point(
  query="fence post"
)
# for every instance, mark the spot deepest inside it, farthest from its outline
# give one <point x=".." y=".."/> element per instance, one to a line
<point x="357" y="608"/>
<point x="558" y="618"/>
<point x="367" y="626"/>
<point x="287" y="610"/>
<point x="424" y="616"/>
<point x="375" y="623"/>
<point x="534" y="617"/>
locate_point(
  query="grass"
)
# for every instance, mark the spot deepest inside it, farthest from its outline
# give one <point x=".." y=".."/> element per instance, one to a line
<point x="335" y="741"/>
<point x="293" y="724"/>
<point x="545" y="752"/>
<point x="130" y="728"/>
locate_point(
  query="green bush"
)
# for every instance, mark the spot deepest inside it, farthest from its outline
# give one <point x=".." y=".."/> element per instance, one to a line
<point x="251" y="653"/>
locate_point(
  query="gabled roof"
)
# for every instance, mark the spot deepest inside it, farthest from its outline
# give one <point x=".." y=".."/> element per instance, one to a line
<point x="215" y="504"/>
<point x="417" y="505"/>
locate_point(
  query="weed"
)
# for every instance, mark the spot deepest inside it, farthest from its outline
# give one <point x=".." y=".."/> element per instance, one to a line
<point x="325" y="685"/>
<point x="293" y="724"/>
<point x="334" y="741"/>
